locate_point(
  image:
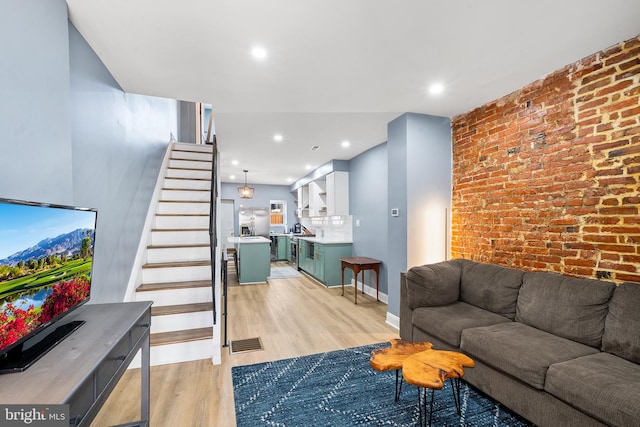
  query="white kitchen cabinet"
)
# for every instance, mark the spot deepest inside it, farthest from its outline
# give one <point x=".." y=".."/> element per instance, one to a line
<point x="337" y="197"/>
<point x="318" y="197"/>
<point x="303" y="201"/>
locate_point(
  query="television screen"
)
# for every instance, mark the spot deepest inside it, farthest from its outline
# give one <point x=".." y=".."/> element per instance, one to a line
<point x="46" y="257"/>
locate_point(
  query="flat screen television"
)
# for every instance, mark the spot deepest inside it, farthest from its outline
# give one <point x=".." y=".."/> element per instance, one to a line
<point x="46" y="260"/>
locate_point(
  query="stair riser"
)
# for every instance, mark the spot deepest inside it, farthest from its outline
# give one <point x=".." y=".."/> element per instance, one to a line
<point x="183" y="173"/>
<point x="186" y="195"/>
<point x="179" y="322"/>
<point x="181" y="222"/>
<point x="185" y="237"/>
<point x="190" y="155"/>
<point x="178" y="254"/>
<point x="176" y="296"/>
<point x="187" y="184"/>
<point x="176" y="274"/>
<point x="190" y="164"/>
<point x="183" y="208"/>
<point x="176" y="353"/>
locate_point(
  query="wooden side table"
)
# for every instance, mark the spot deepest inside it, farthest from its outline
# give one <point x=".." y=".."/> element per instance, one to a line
<point x="358" y="264"/>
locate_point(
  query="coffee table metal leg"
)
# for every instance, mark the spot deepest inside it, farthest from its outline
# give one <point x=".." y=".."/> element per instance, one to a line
<point x="422" y="406"/>
<point x="398" y="385"/>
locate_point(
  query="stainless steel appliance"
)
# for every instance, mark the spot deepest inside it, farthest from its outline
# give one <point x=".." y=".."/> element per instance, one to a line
<point x="294" y="251"/>
<point x="254" y="222"/>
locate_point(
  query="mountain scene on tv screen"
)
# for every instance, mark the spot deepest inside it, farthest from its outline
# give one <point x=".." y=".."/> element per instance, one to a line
<point x="40" y="282"/>
<point x="69" y="244"/>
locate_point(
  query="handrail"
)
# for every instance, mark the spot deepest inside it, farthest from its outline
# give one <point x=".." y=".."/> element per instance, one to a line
<point x="212" y="225"/>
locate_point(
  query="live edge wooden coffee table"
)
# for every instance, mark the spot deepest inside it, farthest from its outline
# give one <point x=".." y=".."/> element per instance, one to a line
<point x="424" y="367"/>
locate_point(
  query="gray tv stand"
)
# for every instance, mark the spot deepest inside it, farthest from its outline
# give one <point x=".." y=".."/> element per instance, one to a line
<point x="84" y="368"/>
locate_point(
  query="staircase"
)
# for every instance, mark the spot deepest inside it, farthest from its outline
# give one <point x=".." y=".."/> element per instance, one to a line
<point x="177" y="273"/>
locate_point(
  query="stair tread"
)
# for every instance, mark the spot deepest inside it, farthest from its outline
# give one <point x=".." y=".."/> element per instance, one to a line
<point x="189" y="169"/>
<point x="178" y="229"/>
<point x="190" y="160"/>
<point x="147" y="287"/>
<point x="184" y="201"/>
<point x="184" y="214"/>
<point x="186" y="335"/>
<point x="187" y="179"/>
<point x="178" y="246"/>
<point x="176" y="264"/>
<point x="181" y="308"/>
<point x="199" y="190"/>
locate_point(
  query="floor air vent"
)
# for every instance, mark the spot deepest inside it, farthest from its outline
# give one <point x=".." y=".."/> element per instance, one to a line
<point x="242" y="346"/>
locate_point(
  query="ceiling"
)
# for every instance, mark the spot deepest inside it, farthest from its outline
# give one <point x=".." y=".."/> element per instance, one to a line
<point x="337" y="70"/>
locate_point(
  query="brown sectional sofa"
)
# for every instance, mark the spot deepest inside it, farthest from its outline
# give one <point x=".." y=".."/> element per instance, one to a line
<point x="559" y="351"/>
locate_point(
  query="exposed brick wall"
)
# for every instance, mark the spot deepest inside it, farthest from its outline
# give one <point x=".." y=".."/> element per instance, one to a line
<point x="548" y="177"/>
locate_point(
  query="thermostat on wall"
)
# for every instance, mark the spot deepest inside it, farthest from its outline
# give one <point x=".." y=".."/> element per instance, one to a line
<point x="395" y="212"/>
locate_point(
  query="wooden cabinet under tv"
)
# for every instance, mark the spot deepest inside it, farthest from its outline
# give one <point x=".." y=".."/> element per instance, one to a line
<point x="83" y="369"/>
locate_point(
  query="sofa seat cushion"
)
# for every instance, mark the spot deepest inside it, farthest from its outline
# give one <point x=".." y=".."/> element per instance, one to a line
<point x="491" y="287"/>
<point x="448" y="321"/>
<point x="521" y="351"/>
<point x="602" y="385"/>
<point x="621" y="336"/>
<point x="565" y="306"/>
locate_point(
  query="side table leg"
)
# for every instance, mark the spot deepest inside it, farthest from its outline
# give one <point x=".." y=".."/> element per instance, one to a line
<point x="145" y="375"/>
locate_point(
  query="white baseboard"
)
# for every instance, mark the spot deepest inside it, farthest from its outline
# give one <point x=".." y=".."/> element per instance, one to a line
<point x="393" y="320"/>
<point x="371" y="291"/>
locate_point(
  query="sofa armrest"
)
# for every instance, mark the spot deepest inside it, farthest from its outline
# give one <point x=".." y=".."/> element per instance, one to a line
<point x="406" y="313"/>
<point x="433" y="284"/>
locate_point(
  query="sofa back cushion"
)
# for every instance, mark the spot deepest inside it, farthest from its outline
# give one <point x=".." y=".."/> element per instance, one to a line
<point x="568" y="307"/>
<point x="622" y="325"/>
<point x="491" y="287"/>
<point x="433" y="284"/>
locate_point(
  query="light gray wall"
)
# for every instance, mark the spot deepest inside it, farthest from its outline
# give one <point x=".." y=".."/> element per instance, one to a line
<point x="263" y="194"/>
<point x="368" y="183"/>
<point x="187" y="121"/>
<point x="119" y="140"/>
<point x="429" y="188"/>
<point x="419" y="168"/>
<point x="396" y="198"/>
<point x="35" y="137"/>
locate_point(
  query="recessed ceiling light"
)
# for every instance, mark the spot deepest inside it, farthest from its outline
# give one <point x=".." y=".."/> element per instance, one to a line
<point x="232" y="177"/>
<point x="436" y="89"/>
<point x="345" y="144"/>
<point x="277" y="137"/>
<point x="307" y="167"/>
<point x="234" y="162"/>
<point x="258" y="52"/>
<point x="289" y="179"/>
<point x="315" y="147"/>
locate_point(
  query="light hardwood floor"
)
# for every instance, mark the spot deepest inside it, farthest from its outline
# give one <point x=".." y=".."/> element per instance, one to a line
<point x="292" y="317"/>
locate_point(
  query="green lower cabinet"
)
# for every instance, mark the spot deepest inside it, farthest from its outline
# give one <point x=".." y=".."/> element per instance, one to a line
<point x="325" y="266"/>
<point x="255" y="262"/>
<point x="283" y="247"/>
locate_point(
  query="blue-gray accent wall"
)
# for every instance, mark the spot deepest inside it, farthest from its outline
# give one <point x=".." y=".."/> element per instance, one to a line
<point x="368" y="182"/>
<point x="71" y="136"/>
<point x="34" y="105"/>
<point x="396" y="199"/>
<point x="118" y="142"/>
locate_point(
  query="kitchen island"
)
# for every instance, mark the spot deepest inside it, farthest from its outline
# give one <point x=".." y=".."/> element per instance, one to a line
<point x="254" y="261"/>
<point x="320" y="258"/>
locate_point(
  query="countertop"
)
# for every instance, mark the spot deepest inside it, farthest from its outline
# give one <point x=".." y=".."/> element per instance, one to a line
<point x="250" y="239"/>
<point x="325" y="240"/>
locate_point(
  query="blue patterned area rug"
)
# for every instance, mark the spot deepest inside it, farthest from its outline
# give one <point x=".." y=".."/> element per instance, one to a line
<point x="339" y="388"/>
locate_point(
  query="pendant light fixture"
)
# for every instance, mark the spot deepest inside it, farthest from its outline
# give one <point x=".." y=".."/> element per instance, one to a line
<point x="245" y="192"/>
